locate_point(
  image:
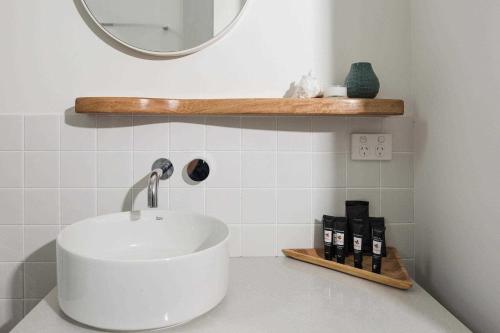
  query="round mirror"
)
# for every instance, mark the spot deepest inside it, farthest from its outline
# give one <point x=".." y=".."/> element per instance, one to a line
<point x="165" y="27"/>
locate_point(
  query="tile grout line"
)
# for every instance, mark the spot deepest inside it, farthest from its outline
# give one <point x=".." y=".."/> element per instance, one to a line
<point x="276" y="188"/>
<point x="59" y="197"/>
<point x="347" y="125"/>
<point x="132" y="189"/>
<point x="168" y="118"/>
<point x="241" y="187"/>
<point x="311" y="177"/>
<point x="24" y="212"/>
<point x="189" y="150"/>
<point x="169" y="150"/>
<point x="205" y="120"/>
<point x="96" y="153"/>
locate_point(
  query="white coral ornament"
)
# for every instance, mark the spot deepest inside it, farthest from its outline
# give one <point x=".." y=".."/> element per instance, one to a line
<point x="308" y="87"/>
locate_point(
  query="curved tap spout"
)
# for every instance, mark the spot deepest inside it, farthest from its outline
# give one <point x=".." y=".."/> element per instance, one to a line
<point x="162" y="169"/>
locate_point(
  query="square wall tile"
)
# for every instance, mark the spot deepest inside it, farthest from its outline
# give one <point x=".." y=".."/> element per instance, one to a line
<point x="187" y="133"/>
<point x="295" y="237"/>
<point x="41" y="132"/>
<point x="294" y="134"/>
<point x="224" y="204"/>
<point x="143" y="161"/>
<point x="370" y="195"/>
<point x="258" y="169"/>
<point x="78" y="204"/>
<point x="365" y="125"/>
<point x="318" y="237"/>
<point x="234" y="240"/>
<point x="39" y="279"/>
<point x="114" y="200"/>
<point x="78" y="169"/>
<point x="258" y="206"/>
<point x="223" y="133"/>
<point x="41" y="206"/>
<point x="11" y="243"/>
<point x="329" y="134"/>
<point x="11" y="206"/>
<point x="188" y="199"/>
<point x="401" y="129"/>
<point x="11" y="132"/>
<point x="258" y="240"/>
<point x="294" y="170"/>
<point x="114" y="133"/>
<point x="11" y="166"/>
<point x="363" y="174"/>
<point x="39" y="243"/>
<point x="410" y="266"/>
<point x="11" y="313"/>
<point x="180" y="160"/>
<point x="78" y="132"/>
<point x="259" y="133"/>
<point x="327" y="202"/>
<point x="329" y="170"/>
<point x="29" y="304"/>
<point x="397" y="205"/>
<point x="114" y="169"/>
<point x="140" y="199"/>
<point x="41" y="169"/>
<point x="294" y="206"/>
<point x="402" y="237"/>
<point x="151" y="133"/>
<point x="11" y="280"/>
<point x="225" y="169"/>
<point x="398" y="172"/>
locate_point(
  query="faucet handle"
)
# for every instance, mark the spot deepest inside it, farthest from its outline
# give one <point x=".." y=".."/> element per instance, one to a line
<point x="165" y="166"/>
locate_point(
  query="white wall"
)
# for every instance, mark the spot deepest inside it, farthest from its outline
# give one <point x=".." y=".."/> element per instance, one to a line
<point x="50" y="56"/>
<point x="457" y="205"/>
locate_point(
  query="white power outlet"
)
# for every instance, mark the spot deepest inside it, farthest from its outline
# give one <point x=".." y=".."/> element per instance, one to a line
<point x="371" y="147"/>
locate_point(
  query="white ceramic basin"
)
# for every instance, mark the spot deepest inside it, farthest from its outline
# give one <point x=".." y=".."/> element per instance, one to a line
<point x="142" y="270"/>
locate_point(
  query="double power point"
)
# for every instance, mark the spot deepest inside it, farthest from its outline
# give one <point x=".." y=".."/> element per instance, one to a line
<point x="371" y="147"/>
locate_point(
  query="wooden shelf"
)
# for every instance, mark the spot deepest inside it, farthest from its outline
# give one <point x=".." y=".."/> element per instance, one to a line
<point x="249" y="106"/>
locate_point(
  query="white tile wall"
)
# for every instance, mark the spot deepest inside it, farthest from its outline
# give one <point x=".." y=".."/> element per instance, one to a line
<point x="12" y="133"/>
<point x="272" y="179"/>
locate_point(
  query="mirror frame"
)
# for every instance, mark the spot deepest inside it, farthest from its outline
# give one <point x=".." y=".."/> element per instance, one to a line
<point x="173" y="53"/>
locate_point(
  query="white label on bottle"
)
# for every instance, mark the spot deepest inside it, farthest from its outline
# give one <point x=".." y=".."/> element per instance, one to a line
<point x="377" y="247"/>
<point x="358" y="243"/>
<point x="339" y="238"/>
<point x="328" y="236"/>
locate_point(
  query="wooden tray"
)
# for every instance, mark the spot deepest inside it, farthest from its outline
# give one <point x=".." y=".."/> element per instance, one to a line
<point x="393" y="272"/>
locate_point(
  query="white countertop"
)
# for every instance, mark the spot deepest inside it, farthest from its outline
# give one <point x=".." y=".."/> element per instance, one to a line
<point x="285" y="295"/>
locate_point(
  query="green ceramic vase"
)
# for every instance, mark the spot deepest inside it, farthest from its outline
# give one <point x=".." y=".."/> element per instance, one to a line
<point x="362" y="82"/>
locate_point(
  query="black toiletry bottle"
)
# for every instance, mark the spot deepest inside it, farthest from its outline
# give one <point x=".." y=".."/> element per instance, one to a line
<point x="339" y="229"/>
<point x="357" y="240"/>
<point x="378" y="232"/>
<point x="379" y="221"/>
<point x="358" y="210"/>
<point x="328" y="236"/>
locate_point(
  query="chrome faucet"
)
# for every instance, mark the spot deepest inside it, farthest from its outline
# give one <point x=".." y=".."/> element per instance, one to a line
<point x="161" y="169"/>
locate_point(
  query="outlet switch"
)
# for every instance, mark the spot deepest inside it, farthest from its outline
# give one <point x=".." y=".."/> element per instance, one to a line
<point x="371" y="147"/>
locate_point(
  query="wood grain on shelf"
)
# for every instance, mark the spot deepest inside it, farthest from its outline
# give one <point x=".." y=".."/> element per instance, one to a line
<point x="247" y="106"/>
<point x="393" y="274"/>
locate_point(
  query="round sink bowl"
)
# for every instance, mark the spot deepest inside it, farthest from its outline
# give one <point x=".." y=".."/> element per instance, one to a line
<point x="142" y="270"/>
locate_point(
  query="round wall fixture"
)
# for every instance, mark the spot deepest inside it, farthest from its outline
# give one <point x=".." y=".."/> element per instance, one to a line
<point x="198" y="170"/>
